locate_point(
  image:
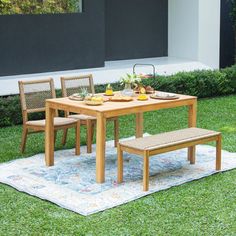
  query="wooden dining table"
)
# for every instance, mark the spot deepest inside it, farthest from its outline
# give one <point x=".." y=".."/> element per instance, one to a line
<point x="112" y="109"/>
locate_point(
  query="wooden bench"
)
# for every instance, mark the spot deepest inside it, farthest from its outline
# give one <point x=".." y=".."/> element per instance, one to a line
<point x="166" y="142"/>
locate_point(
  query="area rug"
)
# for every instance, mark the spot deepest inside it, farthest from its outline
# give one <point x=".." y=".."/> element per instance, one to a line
<point x="71" y="184"/>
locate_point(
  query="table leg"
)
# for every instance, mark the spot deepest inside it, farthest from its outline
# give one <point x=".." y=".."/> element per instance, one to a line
<point x="192" y="122"/>
<point x="100" y="148"/>
<point x="49" y="136"/>
<point x="139" y="125"/>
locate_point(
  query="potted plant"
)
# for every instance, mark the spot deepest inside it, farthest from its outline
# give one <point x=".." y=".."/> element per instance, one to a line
<point x="128" y="81"/>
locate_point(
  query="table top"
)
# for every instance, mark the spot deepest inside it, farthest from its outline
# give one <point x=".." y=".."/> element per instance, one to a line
<point x="110" y="106"/>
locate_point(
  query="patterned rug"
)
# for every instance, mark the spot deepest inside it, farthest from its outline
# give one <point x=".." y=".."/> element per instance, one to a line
<point x="70" y="183"/>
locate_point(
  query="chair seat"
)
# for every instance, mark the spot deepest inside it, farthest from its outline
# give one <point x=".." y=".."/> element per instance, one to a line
<point x="58" y="121"/>
<point x="169" y="138"/>
<point x="82" y="117"/>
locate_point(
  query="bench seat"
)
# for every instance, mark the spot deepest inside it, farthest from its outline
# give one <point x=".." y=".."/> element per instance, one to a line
<point x="166" y="142"/>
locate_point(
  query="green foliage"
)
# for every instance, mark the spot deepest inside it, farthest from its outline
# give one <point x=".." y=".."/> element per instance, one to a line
<point x="129" y="79"/>
<point x="205" y="83"/>
<point x="8" y="7"/>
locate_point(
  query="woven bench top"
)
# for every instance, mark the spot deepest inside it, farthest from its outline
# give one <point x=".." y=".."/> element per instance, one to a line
<point x="169" y="138"/>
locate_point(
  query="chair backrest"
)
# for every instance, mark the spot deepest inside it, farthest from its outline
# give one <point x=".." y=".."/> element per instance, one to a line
<point x="34" y="93"/>
<point x="74" y="84"/>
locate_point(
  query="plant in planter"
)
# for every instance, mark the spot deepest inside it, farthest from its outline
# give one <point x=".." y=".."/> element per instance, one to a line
<point x="128" y="81"/>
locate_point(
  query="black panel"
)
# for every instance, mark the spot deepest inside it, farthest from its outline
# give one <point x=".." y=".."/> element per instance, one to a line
<point x="227" y="46"/>
<point x="40" y="43"/>
<point x="136" y="29"/>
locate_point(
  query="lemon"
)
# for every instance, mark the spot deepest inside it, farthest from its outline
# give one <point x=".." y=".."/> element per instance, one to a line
<point x="142" y="90"/>
<point x="142" y="97"/>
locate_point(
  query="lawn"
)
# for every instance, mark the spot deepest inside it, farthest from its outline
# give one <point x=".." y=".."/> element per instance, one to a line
<point x="203" y="207"/>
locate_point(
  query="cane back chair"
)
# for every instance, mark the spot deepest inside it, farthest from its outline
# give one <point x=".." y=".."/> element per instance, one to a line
<point x="74" y="84"/>
<point x="33" y="95"/>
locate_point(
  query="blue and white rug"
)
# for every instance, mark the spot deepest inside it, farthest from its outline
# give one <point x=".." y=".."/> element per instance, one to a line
<point x="70" y="183"/>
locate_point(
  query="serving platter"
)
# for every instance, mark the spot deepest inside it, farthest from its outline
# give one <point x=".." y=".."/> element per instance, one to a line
<point x="163" y="97"/>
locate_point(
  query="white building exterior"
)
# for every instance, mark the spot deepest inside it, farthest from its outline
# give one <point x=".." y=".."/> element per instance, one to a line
<point x="193" y="43"/>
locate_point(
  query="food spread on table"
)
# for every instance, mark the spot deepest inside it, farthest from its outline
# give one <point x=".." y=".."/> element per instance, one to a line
<point x="148" y="89"/>
<point x="120" y="98"/>
<point x="94" y="100"/>
<point x="142" y="96"/>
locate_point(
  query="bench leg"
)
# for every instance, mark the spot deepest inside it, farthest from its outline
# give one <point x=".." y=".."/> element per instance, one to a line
<point x="192" y="121"/>
<point x="120" y="164"/>
<point x="145" y="172"/>
<point x="218" y="153"/>
<point x="192" y="155"/>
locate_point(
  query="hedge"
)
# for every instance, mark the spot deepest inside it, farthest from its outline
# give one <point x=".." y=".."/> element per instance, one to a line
<point x="202" y="83"/>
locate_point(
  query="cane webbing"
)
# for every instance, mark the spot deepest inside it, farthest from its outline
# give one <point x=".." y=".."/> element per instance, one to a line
<point x="169" y="138"/>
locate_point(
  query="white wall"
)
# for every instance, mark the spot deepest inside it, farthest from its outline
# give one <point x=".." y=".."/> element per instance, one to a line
<point x="194" y="30"/>
<point x="209" y="32"/>
<point x="183" y="29"/>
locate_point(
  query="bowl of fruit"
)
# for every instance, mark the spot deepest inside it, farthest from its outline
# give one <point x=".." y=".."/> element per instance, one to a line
<point x="142" y="95"/>
<point x="148" y="89"/>
<point x="93" y="100"/>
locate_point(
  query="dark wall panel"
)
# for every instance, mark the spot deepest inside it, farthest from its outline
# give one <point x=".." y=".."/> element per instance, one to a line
<point x="40" y="43"/>
<point x="227" y="46"/>
<point x="136" y="29"/>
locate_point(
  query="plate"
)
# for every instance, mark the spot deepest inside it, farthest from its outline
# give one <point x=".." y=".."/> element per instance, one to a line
<point x="147" y="92"/>
<point x="142" y="99"/>
<point x="164" y="96"/>
<point x="76" y="98"/>
<point x="108" y="95"/>
<point x="121" y="99"/>
<point x="93" y="103"/>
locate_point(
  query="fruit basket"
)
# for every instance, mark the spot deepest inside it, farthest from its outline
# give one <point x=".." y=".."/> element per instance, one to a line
<point x="145" y="76"/>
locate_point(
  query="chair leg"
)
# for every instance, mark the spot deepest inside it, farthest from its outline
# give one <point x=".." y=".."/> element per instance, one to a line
<point x="145" y="172"/>
<point x="77" y="138"/>
<point x="24" y="139"/>
<point x="55" y="137"/>
<point x="65" y="131"/>
<point x="119" y="164"/>
<point x="92" y="130"/>
<point x="218" y="153"/>
<point x="89" y="136"/>
<point x="116" y="131"/>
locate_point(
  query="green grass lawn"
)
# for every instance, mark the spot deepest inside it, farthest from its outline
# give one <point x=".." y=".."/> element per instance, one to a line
<point x="203" y="207"/>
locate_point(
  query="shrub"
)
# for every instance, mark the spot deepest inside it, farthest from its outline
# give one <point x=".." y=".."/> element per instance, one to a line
<point x="204" y="83"/>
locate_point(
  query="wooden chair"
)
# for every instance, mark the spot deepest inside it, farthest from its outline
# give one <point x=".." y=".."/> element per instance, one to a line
<point x="75" y="84"/>
<point x="33" y="95"/>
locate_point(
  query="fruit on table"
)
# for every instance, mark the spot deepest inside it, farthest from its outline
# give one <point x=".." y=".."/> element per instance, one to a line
<point x="142" y="90"/>
<point x="94" y="98"/>
<point x="97" y="99"/>
<point x="142" y="97"/>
